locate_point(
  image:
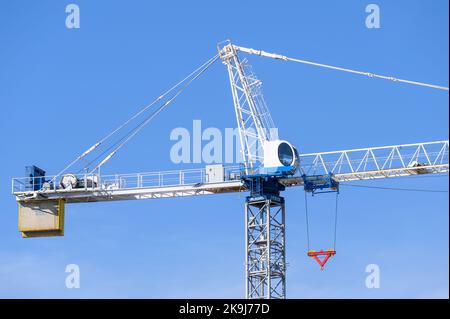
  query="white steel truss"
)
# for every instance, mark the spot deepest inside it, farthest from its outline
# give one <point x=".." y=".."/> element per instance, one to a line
<point x="379" y="162"/>
<point x="254" y="121"/>
<point x="265" y="249"/>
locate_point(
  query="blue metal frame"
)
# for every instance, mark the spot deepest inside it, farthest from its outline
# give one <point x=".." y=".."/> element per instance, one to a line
<point x="35" y="178"/>
<point x="262" y="186"/>
<point x="316" y="184"/>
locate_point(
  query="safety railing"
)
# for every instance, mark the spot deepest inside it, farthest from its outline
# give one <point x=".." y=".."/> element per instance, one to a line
<point x="69" y="182"/>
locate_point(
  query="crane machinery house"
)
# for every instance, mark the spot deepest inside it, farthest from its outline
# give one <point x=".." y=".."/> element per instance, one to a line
<point x="280" y="158"/>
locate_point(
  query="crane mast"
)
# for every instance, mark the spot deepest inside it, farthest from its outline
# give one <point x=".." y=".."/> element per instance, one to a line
<point x="264" y="208"/>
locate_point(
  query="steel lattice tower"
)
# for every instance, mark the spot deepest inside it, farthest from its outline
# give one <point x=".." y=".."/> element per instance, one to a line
<point x="265" y="248"/>
<point x="265" y="239"/>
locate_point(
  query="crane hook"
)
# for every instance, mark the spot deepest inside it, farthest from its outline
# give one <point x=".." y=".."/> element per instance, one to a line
<point x="316" y="254"/>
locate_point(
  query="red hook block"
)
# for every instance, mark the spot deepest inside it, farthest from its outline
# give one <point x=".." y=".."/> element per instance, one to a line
<point x="316" y="254"/>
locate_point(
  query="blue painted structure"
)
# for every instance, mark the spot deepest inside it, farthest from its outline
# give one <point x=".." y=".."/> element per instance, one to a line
<point x="320" y="183"/>
<point x="35" y="178"/>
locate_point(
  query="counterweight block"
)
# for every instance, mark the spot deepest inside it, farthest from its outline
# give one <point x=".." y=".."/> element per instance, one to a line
<point x="41" y="218"/>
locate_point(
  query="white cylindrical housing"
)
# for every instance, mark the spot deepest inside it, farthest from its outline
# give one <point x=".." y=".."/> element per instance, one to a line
<point x="280" y="156"/>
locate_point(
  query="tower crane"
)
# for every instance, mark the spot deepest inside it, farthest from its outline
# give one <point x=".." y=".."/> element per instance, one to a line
<point x="270" y="165"/>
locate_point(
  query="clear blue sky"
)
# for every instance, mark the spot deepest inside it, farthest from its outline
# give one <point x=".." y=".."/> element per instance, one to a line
<point x="61" y="90"/>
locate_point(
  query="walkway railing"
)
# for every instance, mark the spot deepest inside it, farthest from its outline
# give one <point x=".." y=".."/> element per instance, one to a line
<point x="121" y="181"/>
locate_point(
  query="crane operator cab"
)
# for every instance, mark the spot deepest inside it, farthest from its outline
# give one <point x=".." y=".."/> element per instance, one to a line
<point x="280" y="158"/>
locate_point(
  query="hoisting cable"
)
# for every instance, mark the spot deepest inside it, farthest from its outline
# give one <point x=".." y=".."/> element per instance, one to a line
<point x="124" y="124"/>
<point x="330" y="252"/>
<point x="307" y="220"/>
<point x="327" y="66"/>
<point x="154" y="114"/>
<point x="86" y="167"/>
<point x="335" y="221"/>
